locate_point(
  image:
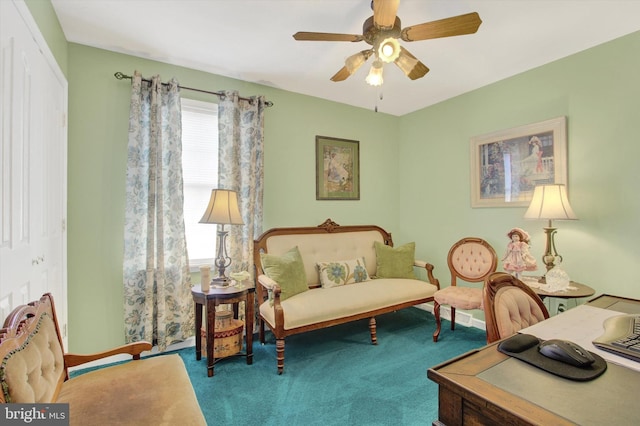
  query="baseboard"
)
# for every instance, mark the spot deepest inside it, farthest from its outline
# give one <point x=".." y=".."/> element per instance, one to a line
<point x="464" y="319"/>
<point x="191" y="341"/>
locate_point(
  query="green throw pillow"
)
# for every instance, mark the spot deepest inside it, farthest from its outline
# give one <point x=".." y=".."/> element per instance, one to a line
<point x="395" y="262"/>
<point x="287" y="270"/>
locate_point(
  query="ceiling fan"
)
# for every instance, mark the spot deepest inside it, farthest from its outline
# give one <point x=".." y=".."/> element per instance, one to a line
<point x="382" y="31"/>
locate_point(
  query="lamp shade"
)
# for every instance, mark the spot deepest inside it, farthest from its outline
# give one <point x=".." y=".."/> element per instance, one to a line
<point x="355" y="61"/>
<point x="223" y="208"/>
<point x="375" y="74"/>
<point x="550" y="202"/>
<point x="388" y="50"/>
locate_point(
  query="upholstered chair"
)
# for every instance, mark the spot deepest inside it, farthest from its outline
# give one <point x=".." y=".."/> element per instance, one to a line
<point x="471" y="260"/>
<point x="509" y="306"/>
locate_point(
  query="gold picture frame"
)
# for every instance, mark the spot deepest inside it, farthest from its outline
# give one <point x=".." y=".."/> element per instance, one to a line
<point x="337" y="169"/>
<point x="507" y="165"/>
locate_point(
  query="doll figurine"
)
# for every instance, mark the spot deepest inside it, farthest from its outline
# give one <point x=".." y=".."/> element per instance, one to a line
<point x="517" y="258"/>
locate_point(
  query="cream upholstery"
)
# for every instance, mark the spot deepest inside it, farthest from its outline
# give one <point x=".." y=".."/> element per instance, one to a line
<point x="326" y="304"/>
<point x="471" y="259"/>
<point x="152" y="391"/>
<point x="515" y="311"/>
<point x="328" y="247"/>
<point x="510" y="306"/>
<point x="33" y="369"/>
<point x="321" y="307"/>
<point x="460" y="297"/>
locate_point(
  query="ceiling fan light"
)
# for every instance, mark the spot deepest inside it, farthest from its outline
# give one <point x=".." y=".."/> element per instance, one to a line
<point x="406" y="63"/>
<point x="354" y="62"/>
<point x="389" y="49"/>
<point x="375" y="74"/>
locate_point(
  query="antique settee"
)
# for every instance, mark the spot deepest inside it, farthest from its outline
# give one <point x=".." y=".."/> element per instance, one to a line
<point x="309" y="278"/>
<point x="35" y="370"/>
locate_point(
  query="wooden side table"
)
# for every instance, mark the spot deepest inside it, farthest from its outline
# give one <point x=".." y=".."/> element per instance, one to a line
<point x="214" y="297"/>
<point x="577" y="292"/>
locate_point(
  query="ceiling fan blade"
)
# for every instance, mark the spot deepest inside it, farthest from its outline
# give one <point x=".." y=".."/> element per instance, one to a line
<point x="308" y="36"/>
<point x="384" y="13"/>
<point x="341" y="75"/>
<point x="352" y="64"/>
<point x="454" y="26"/>
<point x="410" y="65"/>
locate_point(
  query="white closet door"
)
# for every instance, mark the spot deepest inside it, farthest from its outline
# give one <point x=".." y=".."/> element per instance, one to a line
<point x="33" y="158"/>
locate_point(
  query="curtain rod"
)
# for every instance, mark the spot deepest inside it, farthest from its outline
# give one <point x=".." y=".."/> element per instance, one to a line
<point x="121" y="76"/>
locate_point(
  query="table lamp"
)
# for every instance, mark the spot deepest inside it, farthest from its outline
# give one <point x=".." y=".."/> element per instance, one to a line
<point x="550" y="202"/>
<point x="222" y="210"/>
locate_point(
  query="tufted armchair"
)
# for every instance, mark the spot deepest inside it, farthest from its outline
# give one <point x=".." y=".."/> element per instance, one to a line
<point x="472" y="260"/>
<point x="34" y="369"/>
<point x="510" y="305"/>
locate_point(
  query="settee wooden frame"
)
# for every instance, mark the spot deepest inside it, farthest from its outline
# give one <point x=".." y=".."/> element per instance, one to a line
<point x="262" y="291"/>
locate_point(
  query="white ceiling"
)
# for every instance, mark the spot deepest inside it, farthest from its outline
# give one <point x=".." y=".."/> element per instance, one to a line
<point x="252" y="40"/>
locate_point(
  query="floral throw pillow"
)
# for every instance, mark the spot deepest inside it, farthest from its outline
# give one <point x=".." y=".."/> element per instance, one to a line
<point x="341" y="272"/>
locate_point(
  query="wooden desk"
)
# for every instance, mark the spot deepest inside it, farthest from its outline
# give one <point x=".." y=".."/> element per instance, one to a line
<point x="216" y="296"/>
<point x="488" y="387"/>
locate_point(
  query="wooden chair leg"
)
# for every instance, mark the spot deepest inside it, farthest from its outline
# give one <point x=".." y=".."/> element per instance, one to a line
<point x="280" y="355"/>
<point x="453" y="318"/>
<point x="436" y="313"/>
<point x="372" y="330"/>
<point x="261" y="330"/>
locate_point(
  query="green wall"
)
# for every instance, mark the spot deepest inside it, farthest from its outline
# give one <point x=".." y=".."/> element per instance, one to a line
<point x="98" y="131"/>
<point x="414" y="169"/>
<point x="598" y="90"/>
<point x="45" y="16"/>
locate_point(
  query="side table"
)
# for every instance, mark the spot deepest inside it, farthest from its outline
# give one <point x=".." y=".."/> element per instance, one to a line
<point x="577" y="292"/>
<point x="214" y="297"/>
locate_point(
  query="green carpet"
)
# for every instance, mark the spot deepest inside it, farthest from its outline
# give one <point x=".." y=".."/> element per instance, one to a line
<point x="335" y="376"/>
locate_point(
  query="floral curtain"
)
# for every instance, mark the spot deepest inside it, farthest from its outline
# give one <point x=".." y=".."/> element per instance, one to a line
<point x="157" y="296"/>
<point x="240" y="168"/>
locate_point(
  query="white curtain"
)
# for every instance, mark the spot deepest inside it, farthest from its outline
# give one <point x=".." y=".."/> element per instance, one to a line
<point x="157" y="296"/>
<point x="241" y="168"/>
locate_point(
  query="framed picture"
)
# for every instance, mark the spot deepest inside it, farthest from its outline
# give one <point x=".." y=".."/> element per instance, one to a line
<point x="507" y="165"/>
<point x="337" y="169"/>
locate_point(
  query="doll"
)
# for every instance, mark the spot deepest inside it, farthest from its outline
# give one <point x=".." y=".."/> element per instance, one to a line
<point x="517" y="258"/>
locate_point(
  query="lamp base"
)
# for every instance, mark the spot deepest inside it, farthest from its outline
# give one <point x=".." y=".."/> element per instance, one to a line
<point x="221" y="282"/>
<point x="550" y="253"/>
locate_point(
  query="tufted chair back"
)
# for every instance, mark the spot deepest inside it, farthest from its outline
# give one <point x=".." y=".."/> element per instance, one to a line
<point x="32" y="367"/>
<point x="471" y="259"/>
<point x="510" y="305"/>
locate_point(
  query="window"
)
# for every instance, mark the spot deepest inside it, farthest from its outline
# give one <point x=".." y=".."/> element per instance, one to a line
<point x="200" y="174"/>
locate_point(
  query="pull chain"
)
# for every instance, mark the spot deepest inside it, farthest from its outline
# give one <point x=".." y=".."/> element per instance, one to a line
<point x="380" y="97"/>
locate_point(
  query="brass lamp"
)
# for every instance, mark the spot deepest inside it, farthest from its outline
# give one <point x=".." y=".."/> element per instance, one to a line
<point x="550" y="202"/>
<point x="222" y="210"/>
